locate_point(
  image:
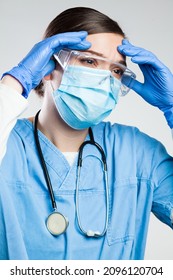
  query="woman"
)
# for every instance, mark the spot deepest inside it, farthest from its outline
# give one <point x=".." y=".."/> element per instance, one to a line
<point x="99" y="210"/>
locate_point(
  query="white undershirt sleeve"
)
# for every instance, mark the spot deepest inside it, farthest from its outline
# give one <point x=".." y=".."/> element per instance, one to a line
<point x="12" y="104"/>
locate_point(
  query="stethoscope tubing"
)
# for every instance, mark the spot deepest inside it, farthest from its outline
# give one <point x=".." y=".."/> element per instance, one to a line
<point x="44" y="167"/>
<point x="91" y="232"/>
<point x="79" y="165"/>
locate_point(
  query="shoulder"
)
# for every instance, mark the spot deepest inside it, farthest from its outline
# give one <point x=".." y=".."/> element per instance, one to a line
<point x="15" y="161"/>
<point x="128" y="146"/>
<point x="23" y="130"/>
<point x="124" y="133"/>
<point x="20" y="137"/>
<point x="130" y="139"/>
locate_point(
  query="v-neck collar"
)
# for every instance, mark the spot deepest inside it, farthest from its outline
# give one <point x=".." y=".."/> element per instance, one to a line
<point x="53" y="157"/>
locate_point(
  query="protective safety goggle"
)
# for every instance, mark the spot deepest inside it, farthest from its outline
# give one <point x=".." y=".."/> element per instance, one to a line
<point x="119" y="71"/>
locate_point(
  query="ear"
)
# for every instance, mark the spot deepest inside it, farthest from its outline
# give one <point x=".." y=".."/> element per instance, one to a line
<point x="47" y="77"/>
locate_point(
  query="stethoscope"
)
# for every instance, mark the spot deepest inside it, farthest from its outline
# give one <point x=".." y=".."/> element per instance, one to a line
<point x="56" y="222"/>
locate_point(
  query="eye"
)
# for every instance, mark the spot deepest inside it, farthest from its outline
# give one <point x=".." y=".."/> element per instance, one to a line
<point x="88" y="62"/>
<point x="117" y="72"/>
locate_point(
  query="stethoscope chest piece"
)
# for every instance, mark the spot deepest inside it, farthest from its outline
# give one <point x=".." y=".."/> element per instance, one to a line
<point x="56" y="223"/>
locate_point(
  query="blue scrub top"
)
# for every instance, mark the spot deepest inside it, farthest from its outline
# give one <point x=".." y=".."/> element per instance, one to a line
<point x="140" y="179"/>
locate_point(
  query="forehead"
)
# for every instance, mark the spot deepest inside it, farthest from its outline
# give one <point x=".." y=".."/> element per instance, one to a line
<point x="106" y="44"/>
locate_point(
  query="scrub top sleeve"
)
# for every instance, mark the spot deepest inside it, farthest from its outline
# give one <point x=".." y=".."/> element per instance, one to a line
<point x="12" y="104"/>
<point x="162" y="177"/>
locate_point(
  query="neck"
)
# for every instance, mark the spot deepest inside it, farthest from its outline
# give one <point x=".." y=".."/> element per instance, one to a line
<point x="65" y="138"/>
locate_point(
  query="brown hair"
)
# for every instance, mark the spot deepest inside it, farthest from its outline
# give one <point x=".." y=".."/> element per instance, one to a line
<point x="80" y="19"/>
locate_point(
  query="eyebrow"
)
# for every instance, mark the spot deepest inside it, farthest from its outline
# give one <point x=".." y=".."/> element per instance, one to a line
<point x="123" y="62"/>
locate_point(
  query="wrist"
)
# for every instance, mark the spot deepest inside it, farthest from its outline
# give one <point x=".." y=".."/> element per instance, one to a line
<point x="20" y="74"/>
<point x="10" y="81"/>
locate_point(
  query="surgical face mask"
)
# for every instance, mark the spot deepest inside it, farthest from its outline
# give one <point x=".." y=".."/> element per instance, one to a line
<point x="86" y="96"/>
<point x="89" y="88"/>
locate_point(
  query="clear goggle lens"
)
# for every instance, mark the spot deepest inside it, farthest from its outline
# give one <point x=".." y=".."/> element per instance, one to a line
<point x="119" y="71"/>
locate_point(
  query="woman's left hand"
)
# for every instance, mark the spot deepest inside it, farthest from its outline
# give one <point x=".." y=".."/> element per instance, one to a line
<point x="157" y="88"/>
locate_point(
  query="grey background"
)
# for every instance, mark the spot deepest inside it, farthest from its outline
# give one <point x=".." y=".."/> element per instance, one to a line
<point x="147" y="23"/>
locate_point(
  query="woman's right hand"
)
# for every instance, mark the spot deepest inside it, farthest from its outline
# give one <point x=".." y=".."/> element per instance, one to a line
<point x="37" y="64"/>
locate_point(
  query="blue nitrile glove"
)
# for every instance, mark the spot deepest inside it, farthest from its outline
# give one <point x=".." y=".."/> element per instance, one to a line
<point x="157" y="88"/>
<point x="38" y="64"/>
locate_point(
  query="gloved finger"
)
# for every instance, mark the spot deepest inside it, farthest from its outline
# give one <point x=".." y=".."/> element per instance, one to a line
<point x="130" y="50"/>
<point x="63" y="41"/>
<point x="137" y="87"/>
<point x="69" y="37"/>
<point x="50" y="66"/>
<point x="140" y="55"/>
<point x="125" y="46"/>
<point x="150" y="60"/>
<point x="126" y="43"/>
<point x="79" y="34"/>
<point x="83" y="45"/>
